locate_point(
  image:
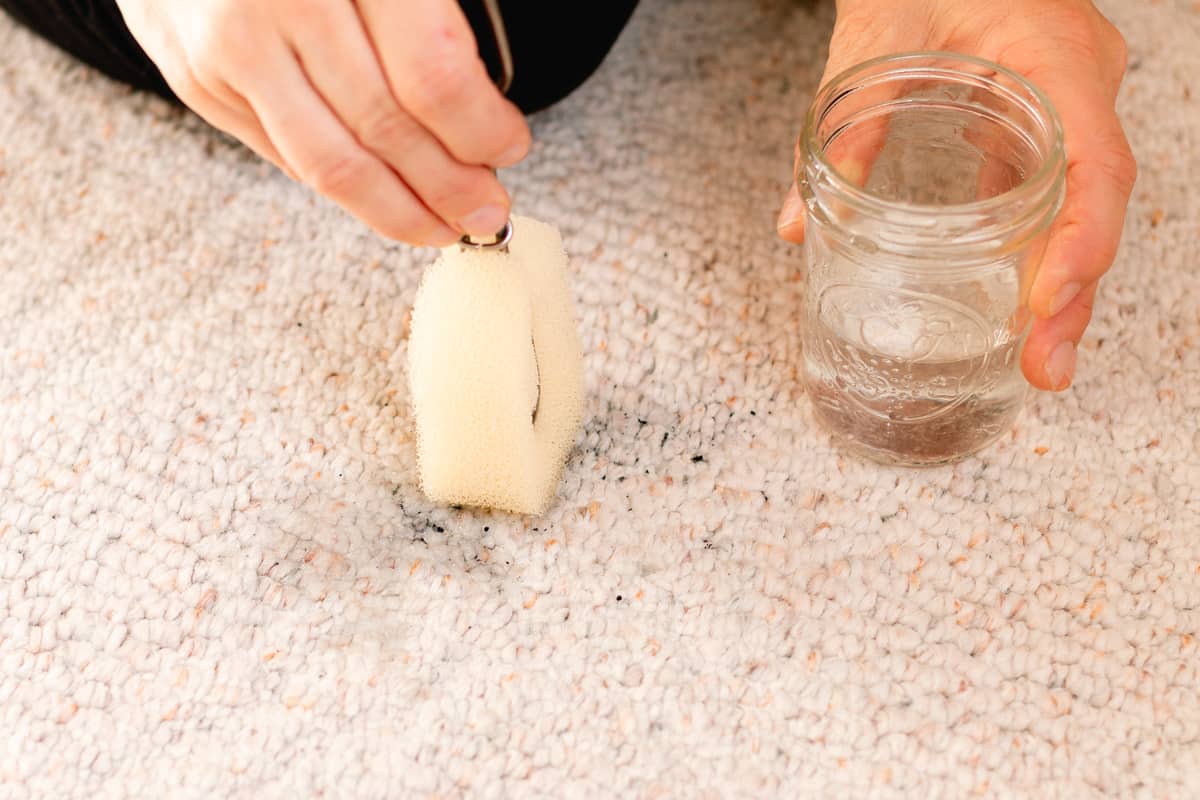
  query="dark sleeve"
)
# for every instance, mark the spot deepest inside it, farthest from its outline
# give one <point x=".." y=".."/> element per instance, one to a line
<point x="556" y="45"/>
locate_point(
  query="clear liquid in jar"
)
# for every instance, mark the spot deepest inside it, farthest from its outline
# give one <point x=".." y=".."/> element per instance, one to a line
<point x="910" y="379"/>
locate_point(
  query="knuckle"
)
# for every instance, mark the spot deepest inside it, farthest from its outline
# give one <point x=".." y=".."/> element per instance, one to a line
<point x="312" y="15"/>
<point x="223" y="10"/>
<point x="386" y="126"/>
<point x="335" y="175"/>
<point x="1113" y="157"/>
<point x="221" y="39"/>
<point x="207" y="76"/>
<point x="860" y="23"/>
<point x="1080" y="32"/>
<point x="186" y="86"/>
<point x="311" y="11"/>
<point x="1121" y="165"/>
<point x="205" y="43"/>
<point x="1076" y="18"/>
<point x="1086" y="312"/>
<point x="1119" y="48"/>
<point x="439" y="83"/>
<point x="1088" y="308"/>
<point x="1086" y="303"/>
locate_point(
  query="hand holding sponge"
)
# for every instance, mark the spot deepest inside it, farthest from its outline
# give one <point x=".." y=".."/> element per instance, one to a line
<point x="496" y="373"/>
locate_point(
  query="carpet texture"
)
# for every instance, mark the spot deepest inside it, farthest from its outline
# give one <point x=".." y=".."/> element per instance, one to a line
<point x="218" y="578"/>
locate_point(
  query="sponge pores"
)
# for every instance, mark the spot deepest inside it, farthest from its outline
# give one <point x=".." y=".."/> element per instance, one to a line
<point x="496" y="373"/>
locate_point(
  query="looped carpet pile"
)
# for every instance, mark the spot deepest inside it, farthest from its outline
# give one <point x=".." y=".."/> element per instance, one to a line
<point x="218" y="577"/>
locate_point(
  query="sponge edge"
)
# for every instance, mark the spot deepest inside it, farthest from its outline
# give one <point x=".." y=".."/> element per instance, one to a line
<point x="489" y="328"/>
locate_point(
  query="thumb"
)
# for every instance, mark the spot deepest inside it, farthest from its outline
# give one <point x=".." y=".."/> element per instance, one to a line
<point x="858" y="35"/>
<point x="790" y="225"/>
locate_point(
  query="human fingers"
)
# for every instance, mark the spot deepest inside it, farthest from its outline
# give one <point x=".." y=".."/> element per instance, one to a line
<point x="340" y="63"/>
<point x="326" y="156"/>
<point x="1049" y="357"/>
<point x="852" y="154"/>
<point x="1079" y="62"/>
<point x="1101" y="172"/>
<point x="231" y="115"/>
<point x="429" y="55"/>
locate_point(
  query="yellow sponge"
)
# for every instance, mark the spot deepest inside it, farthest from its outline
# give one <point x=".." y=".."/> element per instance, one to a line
<point x="496" y="373"/>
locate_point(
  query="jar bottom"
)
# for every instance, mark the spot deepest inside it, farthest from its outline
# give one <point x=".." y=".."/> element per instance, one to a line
<point x="972" y="425"/>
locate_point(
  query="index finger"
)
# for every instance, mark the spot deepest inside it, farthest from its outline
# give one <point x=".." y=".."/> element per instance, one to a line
<point x="430" y="56"/>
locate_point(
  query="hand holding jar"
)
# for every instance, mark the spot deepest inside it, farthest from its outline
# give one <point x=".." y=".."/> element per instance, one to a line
<point x="1077" y="58"/>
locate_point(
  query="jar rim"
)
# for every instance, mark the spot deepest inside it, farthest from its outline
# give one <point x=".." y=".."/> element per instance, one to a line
<point x="1037" y="104"/>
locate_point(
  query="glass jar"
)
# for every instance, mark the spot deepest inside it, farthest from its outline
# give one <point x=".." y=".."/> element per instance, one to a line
<point x="930" y="181"/>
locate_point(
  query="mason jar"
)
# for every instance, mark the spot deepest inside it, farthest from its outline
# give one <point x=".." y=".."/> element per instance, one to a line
<point x="930" y="181"/>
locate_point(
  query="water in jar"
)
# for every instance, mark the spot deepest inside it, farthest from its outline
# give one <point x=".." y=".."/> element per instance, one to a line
<point x="914" y="377"/>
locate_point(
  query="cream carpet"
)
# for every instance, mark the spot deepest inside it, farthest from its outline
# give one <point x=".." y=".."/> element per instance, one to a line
<point x="218" y="578"/>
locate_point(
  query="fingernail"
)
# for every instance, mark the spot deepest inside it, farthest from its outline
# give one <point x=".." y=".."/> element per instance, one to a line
<point x="1064" y="296"/>
<point x="1060" y="366"/>
<point x="484" y="221"/>
<point x="442" y="237"/>
<point x="792" y="212"/>
<point x="512" y="155"/>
